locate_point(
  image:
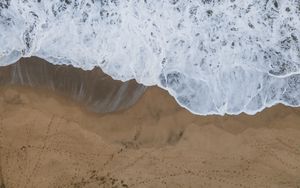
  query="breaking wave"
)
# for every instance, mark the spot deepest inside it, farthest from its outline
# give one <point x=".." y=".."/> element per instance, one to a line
<point x="213" y="56"/>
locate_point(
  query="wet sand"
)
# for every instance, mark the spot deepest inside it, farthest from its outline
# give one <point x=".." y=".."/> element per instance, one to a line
<point x="48" y="140"/>
<point x="93" y="89"/>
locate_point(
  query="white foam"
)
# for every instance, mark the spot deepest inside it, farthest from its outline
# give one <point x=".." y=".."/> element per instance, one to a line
<point x="213" y="56"/>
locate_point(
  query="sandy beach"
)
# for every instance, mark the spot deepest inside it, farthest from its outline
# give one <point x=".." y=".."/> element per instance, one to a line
<point x="104" y="94"/>
<point x="48" y="140"/>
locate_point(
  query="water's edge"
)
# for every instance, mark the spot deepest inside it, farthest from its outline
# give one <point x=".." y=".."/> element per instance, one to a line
<point x="97" y="91"/>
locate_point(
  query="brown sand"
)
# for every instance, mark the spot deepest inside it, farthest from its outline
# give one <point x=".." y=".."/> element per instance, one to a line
<point x="49" y="141"/>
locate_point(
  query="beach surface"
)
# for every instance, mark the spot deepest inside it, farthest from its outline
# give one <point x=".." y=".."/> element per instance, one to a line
<point x="48" y="140"/>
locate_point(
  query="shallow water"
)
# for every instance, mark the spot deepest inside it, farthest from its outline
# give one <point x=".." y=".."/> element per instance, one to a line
<point x="96" y="90"/>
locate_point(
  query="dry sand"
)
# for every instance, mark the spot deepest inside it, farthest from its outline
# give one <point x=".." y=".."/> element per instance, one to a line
<point x="49" y="141"/>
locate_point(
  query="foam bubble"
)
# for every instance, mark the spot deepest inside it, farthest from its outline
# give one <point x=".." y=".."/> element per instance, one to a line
<point x="213" y="56"/>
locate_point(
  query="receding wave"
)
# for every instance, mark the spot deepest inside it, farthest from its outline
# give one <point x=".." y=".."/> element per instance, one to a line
<point x="213" y="56"/>
<point x="95" y="90"/>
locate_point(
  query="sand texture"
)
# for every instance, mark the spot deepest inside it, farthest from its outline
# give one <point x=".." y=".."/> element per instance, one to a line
<point x="49" y="141"/>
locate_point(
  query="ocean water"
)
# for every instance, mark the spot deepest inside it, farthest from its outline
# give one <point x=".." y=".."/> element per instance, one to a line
<point x="212" y="56"/>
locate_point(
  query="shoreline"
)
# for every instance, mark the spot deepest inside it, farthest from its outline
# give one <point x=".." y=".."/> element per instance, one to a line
<point x="94" y="89"/>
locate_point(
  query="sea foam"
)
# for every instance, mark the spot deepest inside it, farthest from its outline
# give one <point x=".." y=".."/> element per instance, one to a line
<point x="213" y="56"/>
